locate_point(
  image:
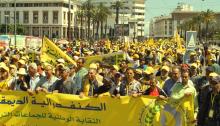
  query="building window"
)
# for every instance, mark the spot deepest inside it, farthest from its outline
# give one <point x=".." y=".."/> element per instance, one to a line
<point x="45" y="4"/>
<point x="170" y="32"/>
<point x="35" y="17"/>
<point x="26" y="17"/>
<point x="36" y="5"/>
<point x="64" y="16"/>
<point x="45" y="17"/>
<point x="178" y="22"/>
<point x="25" y="4"/>
<point x="19" y="5"/>
<point x="55" y="17"/>
<point x="35" y="31"/>
<point x="7" y="17"/>
<point x="17" y="17"/>
<point x="71" y="17"/>
<point x="30" y="4"/>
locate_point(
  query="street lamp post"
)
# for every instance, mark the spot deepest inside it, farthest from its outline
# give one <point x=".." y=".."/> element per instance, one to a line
<point x="15" y="26"/>
<point x="134" y="31"/>
<point x="69" y="22"/>
<point x="6" y="24"/>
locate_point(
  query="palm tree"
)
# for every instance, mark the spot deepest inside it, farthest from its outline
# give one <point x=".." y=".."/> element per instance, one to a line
<point x="80" y="14"/>
<point x="117" y="6"/>
<point x="198" y="22"/>
<point x="207" y="17"/>
<point x="95" y="21"/>
<point x="88" y="6"/>
<point x="104" y="12"/>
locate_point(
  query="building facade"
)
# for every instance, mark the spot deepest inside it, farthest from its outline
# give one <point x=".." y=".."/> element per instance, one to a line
<point x="39" y="17"/>
<point x="167" y="26"/>
<point x="163" y="27"/>
<point x="132" y="13"/>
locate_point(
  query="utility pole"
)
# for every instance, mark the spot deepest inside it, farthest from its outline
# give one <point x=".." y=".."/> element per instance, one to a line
<point x="15" y="26"/>
<point x="6" y="24"/>
<point x="69" y="22"/>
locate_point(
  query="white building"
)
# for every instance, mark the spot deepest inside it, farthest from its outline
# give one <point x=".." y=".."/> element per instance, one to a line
<point x="166" y="26"/>
<point x="40" y="17"/>
<point x="162" y="27"/>
<point x="132" y="13"/>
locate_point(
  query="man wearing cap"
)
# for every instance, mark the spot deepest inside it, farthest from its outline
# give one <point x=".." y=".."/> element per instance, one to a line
<point x="20" y="84"/>
<point x="194" y="73"/>
<point x="211" y="114"/>
<point x="135" y="60"/>
<point x="113" y="70"/>
<point x="164" y="75"/>
<point x="204" y="90"/>
<point x="192" y="57"/>
<point x="21" y="64"/>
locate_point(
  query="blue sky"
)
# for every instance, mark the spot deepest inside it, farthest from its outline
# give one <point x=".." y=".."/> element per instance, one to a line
<point x="164" y="7"/>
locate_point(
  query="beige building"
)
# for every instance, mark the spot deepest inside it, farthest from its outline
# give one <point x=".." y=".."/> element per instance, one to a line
<point x="39" y="17"/>
<point x="132" y="13"/>
<point x="167" y="26"/>
<point x="163" y="27"/>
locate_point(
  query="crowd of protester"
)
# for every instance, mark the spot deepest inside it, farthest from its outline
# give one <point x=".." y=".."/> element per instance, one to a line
<point x="143" y="72"/>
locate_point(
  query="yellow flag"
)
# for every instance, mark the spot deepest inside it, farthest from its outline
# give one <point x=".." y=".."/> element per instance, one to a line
<point x="50" y="52"/>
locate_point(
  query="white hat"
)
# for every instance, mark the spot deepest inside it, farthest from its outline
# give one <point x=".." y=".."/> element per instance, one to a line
<point x="33" y="65"/>
<point x="75" y="57"/>
<point x="60" y="61"/>
<point x="21" y="71"/>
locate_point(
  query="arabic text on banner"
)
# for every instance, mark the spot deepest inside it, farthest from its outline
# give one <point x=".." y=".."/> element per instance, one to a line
<point x="19" y="108"/>
<point x="50" y="52"/>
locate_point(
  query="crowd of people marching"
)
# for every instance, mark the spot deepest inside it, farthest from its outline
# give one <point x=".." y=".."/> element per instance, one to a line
<point x="144" y="71"/>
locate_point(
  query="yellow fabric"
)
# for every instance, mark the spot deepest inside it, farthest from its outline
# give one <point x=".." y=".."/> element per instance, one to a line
<point x="19" y="108"/>
<point x="86" y="87"/>
<point x="50" y="52"/>
<point x="4" y="84"/>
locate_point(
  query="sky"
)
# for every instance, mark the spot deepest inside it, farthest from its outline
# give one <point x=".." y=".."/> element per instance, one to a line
<point x="165" y="7"/>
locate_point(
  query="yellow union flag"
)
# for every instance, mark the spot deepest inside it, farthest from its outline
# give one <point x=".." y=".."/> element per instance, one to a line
<point x="19" y="108"/>
<point x="50" y="52"/>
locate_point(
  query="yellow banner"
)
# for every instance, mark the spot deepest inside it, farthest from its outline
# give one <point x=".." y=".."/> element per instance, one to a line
<point x="19" y="108"/>
<point x="112" y="59"/>
<point x="50" y="52"/>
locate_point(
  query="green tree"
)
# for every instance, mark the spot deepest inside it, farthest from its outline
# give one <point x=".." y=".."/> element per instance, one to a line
<point x="88" y="7"/>
<point x="208" y="17"/>
<point x="80" y="14"/>
<point x="103" y="14"/>
<point x="117" y="6"/>
<point x="197" y="20"/>
<point x="95" y="21"/>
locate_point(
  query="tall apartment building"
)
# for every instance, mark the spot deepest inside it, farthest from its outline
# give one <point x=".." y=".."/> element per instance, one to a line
<point x="39" y="17"/>
<point x="132" y="13"/>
